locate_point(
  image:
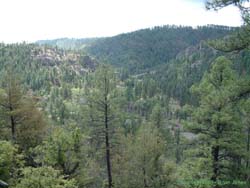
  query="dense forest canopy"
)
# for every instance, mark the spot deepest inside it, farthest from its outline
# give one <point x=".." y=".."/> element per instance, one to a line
<point x="144" y="49"/>
<point x="162" y="107"/>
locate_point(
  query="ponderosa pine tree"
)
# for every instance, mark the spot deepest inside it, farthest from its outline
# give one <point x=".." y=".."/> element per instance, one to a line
<point x="10" y="103"/>
<point x="142" y="161"/>
<point x="217" y="122"/>
<point x="245" y="108"/>
<point x="240" y="40"/>
<point x="218" y="4"/>
<point x="102" y="106"/>
<point x="23" y="122"/>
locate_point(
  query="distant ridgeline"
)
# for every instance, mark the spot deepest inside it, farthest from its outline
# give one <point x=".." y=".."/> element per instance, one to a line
<point x="174" y="57"/>
<point x="144" y="49"/>
<point x="168" y="111"/>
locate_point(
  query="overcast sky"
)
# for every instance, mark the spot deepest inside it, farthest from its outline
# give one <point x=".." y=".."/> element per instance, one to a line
<point x="31" y="20"/>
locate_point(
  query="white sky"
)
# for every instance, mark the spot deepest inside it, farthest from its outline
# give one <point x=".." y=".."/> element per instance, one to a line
<point x="31" y="20"/>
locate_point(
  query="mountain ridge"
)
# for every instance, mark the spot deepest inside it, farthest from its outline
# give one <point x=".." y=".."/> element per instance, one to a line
<point x="143" y="49"/>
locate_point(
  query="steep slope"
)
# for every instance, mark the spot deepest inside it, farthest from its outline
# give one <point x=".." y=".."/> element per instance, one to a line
<point x="189" y="66"/>
<point x="173" y="57"/>
<point x="144" y="49"/>
<point x="41" y="67"/>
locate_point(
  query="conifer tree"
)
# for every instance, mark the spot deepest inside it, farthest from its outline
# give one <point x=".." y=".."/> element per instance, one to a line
<point x="240" y="40"/>
<point x="217" y="122"/>
<point x="101" y="101"/>
<point x="21" y="117"/>
<point x="10" y="102"/>
<point x="142" y="161"/>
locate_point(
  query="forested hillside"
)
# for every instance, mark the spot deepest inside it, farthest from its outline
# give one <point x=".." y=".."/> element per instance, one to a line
<point x="40" y="67"/>
<point x="144" y="49"/>
<point x="166" y="107"/>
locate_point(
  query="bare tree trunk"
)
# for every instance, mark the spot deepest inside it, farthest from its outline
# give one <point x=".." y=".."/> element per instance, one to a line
<point x="215" y="154"/>
<point x="248" y="146"/>
<point x="110" y="183"/>
<point x="177" y="152"/>
<point x="215" y="158"/>
<point x="13" y="125"/>
<point x="13" y="129"/>
<point x="144" y="173"/>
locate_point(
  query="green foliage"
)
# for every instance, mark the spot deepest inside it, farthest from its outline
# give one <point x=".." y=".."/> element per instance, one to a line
<point x="240" y="40"/>
<point x="64" y="150"/>
<point x="218" y="4"/>
<point x="157" y="117"/>
<point x="43" y="177"/>
<point x="10" y="161"/>
<point x="141" y="161"/>
<point x="67" y="149"/>
<point x="23" y="122"/>
<point x="101" y="100"/>
<point x="102" y="105"/>
<point x="125" y="123"/>
<point x="215" y="119"/>
<point x="144" y="49"/>
<point x="41" y="67"/>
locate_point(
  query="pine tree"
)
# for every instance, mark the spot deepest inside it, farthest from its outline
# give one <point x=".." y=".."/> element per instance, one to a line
<point x="240" y="40"/>
<point x="245" y="108"/>
<point x="101" y="102"/>
<point x="217" y="122"/>
<point x="142" y="161"/>
<point x="20" y="115"/>
<point x="10" y="102"/>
